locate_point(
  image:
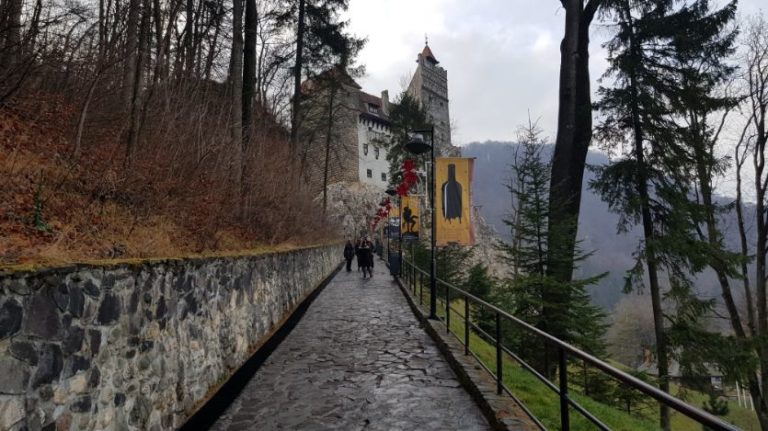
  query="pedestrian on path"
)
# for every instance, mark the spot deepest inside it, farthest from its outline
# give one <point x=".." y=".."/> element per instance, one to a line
<point x="349" y="254"/>
<point x="365" y="257"/>
<point x="357" y="253"/>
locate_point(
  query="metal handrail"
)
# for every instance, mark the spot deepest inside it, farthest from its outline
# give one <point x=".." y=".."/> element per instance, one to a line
<point x="564" y="351"/>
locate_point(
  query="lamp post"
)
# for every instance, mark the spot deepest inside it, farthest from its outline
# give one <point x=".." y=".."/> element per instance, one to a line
<point x="418" y="145"/>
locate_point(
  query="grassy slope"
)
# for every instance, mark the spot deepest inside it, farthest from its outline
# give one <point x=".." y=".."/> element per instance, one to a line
<point x="544" y="403"/>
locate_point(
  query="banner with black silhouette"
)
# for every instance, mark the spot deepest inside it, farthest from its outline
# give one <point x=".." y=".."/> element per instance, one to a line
<point x="410" y="220"/>
<point x="453" y="186"/>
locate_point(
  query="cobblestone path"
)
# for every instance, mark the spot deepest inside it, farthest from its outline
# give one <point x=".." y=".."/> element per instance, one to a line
<point x="357" y="360"/>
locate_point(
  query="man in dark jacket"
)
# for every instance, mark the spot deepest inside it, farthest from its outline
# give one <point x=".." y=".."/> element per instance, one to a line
<point x="349" y="254"/>
<point x="365" y="257"/>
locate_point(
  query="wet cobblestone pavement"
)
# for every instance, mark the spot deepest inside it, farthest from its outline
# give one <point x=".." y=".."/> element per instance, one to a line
<point x="357" y="360"/>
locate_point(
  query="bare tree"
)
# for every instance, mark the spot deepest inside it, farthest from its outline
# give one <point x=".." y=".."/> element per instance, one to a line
<point x="753" y="144"/>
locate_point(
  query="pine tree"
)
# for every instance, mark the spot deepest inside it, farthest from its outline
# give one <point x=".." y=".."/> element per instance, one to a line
<point x="480" y="284"/>
<point x="407" y="114"/>
<point x="452" y="262"/>
<point x="322" y="42"/>
<point x="648" y="183"/>
<point x="560" y="308"/>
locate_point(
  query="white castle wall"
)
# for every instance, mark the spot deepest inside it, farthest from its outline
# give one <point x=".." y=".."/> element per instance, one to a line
<point x="370" y="133"/>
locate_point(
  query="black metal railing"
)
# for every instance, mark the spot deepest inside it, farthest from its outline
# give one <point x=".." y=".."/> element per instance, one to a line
<point x="415" y="279"/>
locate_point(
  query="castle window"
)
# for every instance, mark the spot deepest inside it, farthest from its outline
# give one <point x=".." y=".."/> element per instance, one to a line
<point x="384" y="177"/>
<point x="369" y="173"/>
<point x="365" y="149"/>
<point x="373" y="109"/>
<point x="376" y="153"/>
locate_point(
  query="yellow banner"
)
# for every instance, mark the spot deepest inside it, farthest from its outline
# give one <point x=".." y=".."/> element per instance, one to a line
<point x="410" y="221"/>
<point x="453" y="187"/>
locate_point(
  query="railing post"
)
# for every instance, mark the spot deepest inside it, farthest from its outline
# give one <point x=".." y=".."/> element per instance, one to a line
<point x="407" y="276"/>
<point x="447" y="309"/>
<point x="421" y="289"/>
<point x="565" y="423"/>
<point x="499" y="383"/>
<point x="466" y="325"/>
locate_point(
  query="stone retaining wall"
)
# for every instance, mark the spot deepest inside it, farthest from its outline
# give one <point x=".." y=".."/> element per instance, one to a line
<point x="139" y="346"/>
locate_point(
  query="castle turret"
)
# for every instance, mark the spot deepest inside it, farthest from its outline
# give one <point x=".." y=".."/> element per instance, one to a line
<point x="429" y="85"/>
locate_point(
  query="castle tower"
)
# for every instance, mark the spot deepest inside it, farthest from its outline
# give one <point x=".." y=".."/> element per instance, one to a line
<point x="429" y="85"/>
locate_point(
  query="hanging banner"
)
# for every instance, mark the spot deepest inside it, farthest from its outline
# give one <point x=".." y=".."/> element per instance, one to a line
<point x="392" y="223"/>
<point x="393" y="230"/>
<point x="453" y="186"/>
<point x="410" y="218"/>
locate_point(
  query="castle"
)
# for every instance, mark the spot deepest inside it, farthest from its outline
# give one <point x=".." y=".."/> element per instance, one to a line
<point x="353" y="150"/>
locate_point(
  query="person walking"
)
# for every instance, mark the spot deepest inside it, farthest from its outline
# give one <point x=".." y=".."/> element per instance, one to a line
<point x="365" y="257"/>
<point x="370" y="257"/>
<point x="349" y="254"/>
<point x="357" y="253"/>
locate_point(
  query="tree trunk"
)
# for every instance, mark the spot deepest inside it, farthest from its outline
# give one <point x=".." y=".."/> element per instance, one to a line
<point x="212" y="52"/>
<point x="132" y="32"/>
<point x="83" y="115"/>
<point x="236" y="85"/>
<point x="10" y="32"/>
<point x="249" y="73"/>
<point x="748" y="295"/>
<point x="34" y="28"/>
<point x="137" y="89"/>
<point x="189" y="49"/>
<point x="295" y="113"/>
<point x="761" y="247"/>
<point x="662" y="359"/>
<point x="574" y="133"/>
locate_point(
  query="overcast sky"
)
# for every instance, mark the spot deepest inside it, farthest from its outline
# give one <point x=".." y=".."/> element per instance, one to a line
<point x="502" y="57"/>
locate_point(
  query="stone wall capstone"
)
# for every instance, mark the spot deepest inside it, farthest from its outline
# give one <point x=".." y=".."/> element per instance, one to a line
<point x="139" y="346"/>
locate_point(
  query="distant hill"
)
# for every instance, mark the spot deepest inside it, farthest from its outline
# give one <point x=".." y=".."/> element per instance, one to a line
<point x="597" y="225"/>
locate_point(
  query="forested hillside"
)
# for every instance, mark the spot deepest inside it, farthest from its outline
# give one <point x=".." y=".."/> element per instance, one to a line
<point x="612" y="251"/>
<point x="156" y="127"/>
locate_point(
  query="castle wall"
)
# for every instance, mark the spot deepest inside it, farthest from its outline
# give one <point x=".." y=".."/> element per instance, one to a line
<point x="372" y="137"/>
<point x="342" y="154"/>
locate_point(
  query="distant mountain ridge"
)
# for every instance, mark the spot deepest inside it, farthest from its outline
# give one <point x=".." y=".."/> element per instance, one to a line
<point x="612" y="252"/>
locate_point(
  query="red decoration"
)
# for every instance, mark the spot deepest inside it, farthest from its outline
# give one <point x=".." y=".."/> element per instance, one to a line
<point x="402" y="189"/>
<point x="410" y="177"/>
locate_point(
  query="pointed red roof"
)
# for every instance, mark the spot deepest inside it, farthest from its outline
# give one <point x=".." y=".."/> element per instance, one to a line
<point x="427" y="53"/>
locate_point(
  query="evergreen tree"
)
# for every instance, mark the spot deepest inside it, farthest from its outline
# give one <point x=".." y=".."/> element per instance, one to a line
<point x="452" y="262"/>
<point x="321" y="42"/>
<point x="406" y="114"/>
<point x="715" y="405"/>
<point x="527" y="292"/>
<point x="648" y="183"/>
<point x="480" y="284"/>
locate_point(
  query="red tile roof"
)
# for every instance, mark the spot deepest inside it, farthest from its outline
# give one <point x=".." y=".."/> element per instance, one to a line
<point x="426" y="52"/>
<point x="369" y="99"/>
